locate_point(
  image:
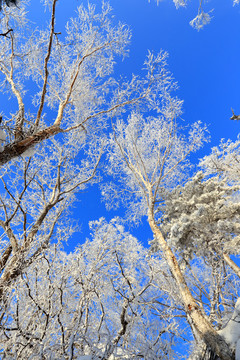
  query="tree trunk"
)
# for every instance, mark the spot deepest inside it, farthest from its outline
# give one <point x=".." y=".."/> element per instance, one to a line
<point x="203" y="327"/>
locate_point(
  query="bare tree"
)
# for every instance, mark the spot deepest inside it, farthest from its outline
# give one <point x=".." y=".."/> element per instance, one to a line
<point x="111" y="297"/>
<point x="73" y="76"/>
<point x="51" y="147"/>
<point x="148" y="158"/>
<point x="101" y="301"/>
<point x="75" y="94"/>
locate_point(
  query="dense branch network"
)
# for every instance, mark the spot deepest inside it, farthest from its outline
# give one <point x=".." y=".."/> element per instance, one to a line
<point x="51" y="150"/>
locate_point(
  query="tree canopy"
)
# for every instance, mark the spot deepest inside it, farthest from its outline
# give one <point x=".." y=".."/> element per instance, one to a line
<point x="81" y="124"/>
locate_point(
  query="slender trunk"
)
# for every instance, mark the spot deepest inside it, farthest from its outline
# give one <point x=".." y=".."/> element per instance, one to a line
<point x="203" y="327"/>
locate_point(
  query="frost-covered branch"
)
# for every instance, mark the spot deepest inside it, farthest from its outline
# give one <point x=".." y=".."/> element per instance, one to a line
<point x="202" y="18"/>
<point x="46" y="60"/>
<point x="54" y="299"/>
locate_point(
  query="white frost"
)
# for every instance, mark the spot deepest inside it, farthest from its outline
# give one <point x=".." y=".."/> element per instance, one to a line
<point x="2" y="140"/>
<point x="200" y="20"/>
<point x="231" y="332"/>
<point x="29" y="152"/>
<point x="237" y="353"/>
<point x="2" y="136"/>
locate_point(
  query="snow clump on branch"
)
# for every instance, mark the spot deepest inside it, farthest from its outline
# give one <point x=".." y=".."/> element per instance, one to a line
<point x="202" y="216"/>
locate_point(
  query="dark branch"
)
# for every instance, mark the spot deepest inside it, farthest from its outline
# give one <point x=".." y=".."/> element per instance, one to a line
<point x="234" y="117"/>
<point x="6" y="33"/>
<point x="8" y="3"/>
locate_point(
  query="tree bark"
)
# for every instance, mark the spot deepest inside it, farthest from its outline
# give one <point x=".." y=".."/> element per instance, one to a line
<point x="17" y="148"/>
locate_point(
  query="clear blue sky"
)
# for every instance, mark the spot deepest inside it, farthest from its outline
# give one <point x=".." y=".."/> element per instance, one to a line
<point x="206" y="65"/>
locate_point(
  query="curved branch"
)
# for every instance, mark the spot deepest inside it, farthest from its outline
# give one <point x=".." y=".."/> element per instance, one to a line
<point x="232" y="264"/>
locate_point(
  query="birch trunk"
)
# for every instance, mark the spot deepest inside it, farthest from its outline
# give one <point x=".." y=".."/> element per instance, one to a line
<point x="203" y="327"/>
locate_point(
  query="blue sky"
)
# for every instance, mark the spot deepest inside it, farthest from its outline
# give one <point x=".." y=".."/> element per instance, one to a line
<point x="206" y="65"/>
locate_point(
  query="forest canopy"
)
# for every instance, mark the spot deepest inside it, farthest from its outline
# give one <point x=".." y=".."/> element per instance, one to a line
<point x="73" y="125"/>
